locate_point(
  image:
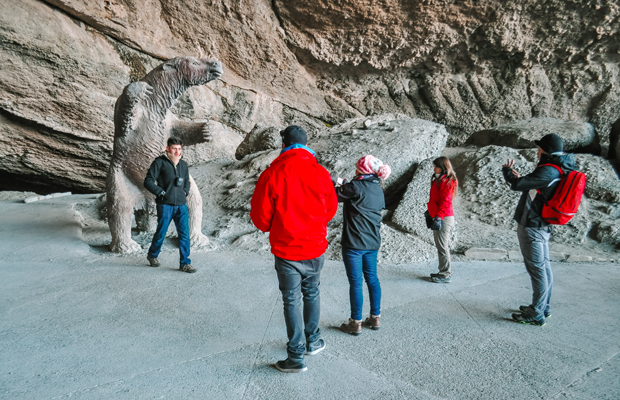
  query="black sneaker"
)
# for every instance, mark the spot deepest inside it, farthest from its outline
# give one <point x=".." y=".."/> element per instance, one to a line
<point x="289" y="365"/>
<point x="524" y="308"/>
<point x="153" y="261"/>
<point x="524" y="319"/>
<point x="315" y="347"/>
<point x="187" y="268"/>
<point x="438" y="279"/>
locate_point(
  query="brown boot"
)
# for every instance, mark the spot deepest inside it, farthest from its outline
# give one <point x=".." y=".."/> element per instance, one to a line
<point x="353" y="327"/>
<point x="373" y="322"/>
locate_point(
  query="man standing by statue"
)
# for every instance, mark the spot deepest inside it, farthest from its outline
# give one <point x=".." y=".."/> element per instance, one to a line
<point x="294" y="200"/>
<point x="168" y="180"/>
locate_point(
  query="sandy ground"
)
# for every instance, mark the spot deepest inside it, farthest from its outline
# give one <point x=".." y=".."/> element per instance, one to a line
<point x="80" y="322"/>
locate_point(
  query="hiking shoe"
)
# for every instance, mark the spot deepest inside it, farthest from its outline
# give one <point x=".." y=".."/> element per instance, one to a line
<point x="153" y="261"/>
<point x="187" y="268"/>
<point x="438" y="279"/>
<point x="289" y="365"/>
<point x="372" y="322"/>
<point x="435" y="275"/>
<point x="524" y="309"/>
<point x="524" y="319"/>
<point x="315" y="347"/>
<point x="353" y="327"/>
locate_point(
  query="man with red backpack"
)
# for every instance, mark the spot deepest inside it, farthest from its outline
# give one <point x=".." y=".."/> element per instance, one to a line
<point x="533" y="231"/>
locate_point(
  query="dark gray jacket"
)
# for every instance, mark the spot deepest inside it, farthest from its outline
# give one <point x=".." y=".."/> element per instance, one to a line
<point x="543" y="178"/>
<point x="162" y="177"/>
<point x="363" y="201"/>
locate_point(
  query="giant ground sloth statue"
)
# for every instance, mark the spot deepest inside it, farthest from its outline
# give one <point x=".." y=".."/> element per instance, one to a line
<point x="142" y="125"/>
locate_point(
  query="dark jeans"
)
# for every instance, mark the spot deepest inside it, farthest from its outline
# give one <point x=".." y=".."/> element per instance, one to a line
<point x="297" y="278"/>
<point x="358" y="262"/>
<point x="534" y="243"/>
<point x="165" y="214"/>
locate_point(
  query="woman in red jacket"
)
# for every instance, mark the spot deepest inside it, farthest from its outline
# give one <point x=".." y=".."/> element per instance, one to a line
<point x="443" y="189"/>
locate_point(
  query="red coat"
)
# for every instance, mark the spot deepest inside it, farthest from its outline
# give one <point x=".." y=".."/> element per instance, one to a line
<point x="440" y="204"/>
<point x="294" y="200"/>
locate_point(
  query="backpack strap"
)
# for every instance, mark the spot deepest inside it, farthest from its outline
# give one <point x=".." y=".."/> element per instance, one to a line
<point x="560" y="170"/>
<point x="554" y="166"/>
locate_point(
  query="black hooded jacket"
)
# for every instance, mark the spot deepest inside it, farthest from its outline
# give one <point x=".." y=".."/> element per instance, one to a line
<point x="162" y="177"/>
<point x="545" y="179"/>
<point x="363" y="201"/>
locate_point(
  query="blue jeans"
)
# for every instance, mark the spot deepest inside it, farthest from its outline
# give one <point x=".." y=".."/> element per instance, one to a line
<point x="165" y="214"/>
<point x="534" y="243"/>
<point x="358" y="262"/>
<point x="296" y="278"/>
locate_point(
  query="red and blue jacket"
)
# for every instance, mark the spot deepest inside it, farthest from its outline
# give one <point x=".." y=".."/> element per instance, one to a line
<point x="294" y="199"/>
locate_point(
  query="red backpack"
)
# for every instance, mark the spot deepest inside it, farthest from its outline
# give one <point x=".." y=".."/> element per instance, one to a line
<point x="564" y="204"/>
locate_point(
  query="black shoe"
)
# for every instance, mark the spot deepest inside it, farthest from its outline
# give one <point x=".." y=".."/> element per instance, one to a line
<point x="524" y="319"/>
<point x="187" y="268"/>
<point x="438" y="279"/>
<point x="153" y="261"/>
<point x="291" y="366"/>
<point x="315" y="347"/>
<point x="524" y="308"/>
<point x="435" y="275"/>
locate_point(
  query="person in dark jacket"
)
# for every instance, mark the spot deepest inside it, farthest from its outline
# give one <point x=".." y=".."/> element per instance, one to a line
<point x="363" y="201"/>
<point x="533" y="232"/>
<point x="443" y="188"/>
<point x="294" y="199"/>
<point x="168" y="180"/>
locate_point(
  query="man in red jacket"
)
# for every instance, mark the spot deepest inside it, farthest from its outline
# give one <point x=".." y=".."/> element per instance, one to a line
<point x="294" y="200"/>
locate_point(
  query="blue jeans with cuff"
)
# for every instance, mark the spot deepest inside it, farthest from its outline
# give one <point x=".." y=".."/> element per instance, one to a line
<point x="297" y="279"/>
<point x="180" y="215"/>
<point x="358" y="263"/>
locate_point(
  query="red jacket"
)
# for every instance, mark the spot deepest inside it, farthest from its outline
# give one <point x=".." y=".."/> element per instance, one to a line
<point x="294" y="200"/>
<point x="442" y="190"/>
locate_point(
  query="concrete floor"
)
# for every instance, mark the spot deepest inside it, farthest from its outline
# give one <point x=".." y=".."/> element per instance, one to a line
<point x="76" y="322"/>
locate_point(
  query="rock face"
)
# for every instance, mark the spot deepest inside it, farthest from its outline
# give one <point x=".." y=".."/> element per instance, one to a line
<point x="469" y="66"/>
<point x="522" y="134"/>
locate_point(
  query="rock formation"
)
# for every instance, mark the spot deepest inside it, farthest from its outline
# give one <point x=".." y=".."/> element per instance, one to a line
<point x="142" y="125"/>
<point x="469" y="66"/>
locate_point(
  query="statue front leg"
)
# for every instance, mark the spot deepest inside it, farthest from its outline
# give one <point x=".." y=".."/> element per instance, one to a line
<point x="120" y="202"/>
<point x="194" y="205"/>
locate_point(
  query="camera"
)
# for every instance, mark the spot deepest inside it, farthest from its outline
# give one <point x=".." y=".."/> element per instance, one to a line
<point x="178" y="181"/>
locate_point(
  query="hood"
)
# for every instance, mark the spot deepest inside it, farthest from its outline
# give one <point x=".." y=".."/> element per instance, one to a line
<point x="565" y="161"/>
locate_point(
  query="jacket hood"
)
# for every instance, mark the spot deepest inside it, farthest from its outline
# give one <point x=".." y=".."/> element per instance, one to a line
<point x="565" y="161"/>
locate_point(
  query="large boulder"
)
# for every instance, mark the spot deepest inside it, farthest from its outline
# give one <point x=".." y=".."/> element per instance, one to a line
<point x="602" y="182"/>
<point x="259" y="139"/>
<point x="399" y="141"/>
<point x="522" y="134"/>
<point x="409" y="215"/>
<point x="482" y="187"/>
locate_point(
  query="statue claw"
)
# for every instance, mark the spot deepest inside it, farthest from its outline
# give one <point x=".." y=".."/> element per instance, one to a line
<point x="199" y="240"/>
<point x="129" y="246"/>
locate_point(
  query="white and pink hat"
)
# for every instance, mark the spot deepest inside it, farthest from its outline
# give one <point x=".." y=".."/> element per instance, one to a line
<point x="372" y="165"/>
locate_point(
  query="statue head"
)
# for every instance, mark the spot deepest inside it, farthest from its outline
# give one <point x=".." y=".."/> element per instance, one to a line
<point x="194" y="71"/>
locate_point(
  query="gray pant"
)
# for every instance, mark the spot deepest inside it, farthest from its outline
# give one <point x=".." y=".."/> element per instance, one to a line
<point x="302" y="325"/>
<point x="534" y="243"/>
<point x="442" y="242"/>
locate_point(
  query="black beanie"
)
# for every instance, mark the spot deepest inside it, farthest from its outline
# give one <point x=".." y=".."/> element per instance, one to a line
<point x="550" y="143"/>
<point x="294" y="135"/>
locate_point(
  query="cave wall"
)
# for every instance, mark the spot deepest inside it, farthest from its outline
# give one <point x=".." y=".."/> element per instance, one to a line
<point x="469" y="65"/>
